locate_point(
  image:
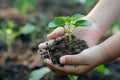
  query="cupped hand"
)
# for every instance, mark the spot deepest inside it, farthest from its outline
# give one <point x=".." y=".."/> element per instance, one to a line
<point x="90" y="34"/>
<point x="80" y="63"/>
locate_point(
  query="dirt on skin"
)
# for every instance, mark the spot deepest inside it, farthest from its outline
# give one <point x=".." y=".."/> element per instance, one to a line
<point x="61" y="47"/>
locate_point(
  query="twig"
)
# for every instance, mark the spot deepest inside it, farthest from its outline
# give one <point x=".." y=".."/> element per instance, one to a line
<point x="49" y="55"/>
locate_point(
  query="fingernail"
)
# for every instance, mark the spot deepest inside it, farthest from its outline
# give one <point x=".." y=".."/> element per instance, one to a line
<point x="41" y="51"/>
<point x="62" y="60"/>
<point x="49" y="36"/>
<point x="47" y="61"/>
<point x="41" y="44"/>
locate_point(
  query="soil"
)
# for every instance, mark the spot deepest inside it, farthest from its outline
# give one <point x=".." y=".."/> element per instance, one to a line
<point x="18" y="65"/>
<point x="63" y="46"/>
<point x="14" y="72"/>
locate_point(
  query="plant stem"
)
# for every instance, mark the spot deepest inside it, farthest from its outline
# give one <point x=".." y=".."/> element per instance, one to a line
<point x="8" y="43"/>
<point x="70" y="37"/>
<point x="9" y="47"/>
<point x="69" y="32"/>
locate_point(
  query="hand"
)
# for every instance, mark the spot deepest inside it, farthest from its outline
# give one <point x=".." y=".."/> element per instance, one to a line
<point x="90" y="34"/>
<point x="80" y="63"/>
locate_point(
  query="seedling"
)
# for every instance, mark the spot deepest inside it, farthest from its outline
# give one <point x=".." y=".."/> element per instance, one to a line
<point x="8" y="32"/>
<point x="24" y="5"/>
<point x="69" y="23"/>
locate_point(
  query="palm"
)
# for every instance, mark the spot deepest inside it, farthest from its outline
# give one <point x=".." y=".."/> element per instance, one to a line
<point x="90" y="34"/>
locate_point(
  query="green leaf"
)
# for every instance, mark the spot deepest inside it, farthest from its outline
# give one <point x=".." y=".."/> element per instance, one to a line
<point x="77" y="17"/>
<point x="72" y="77"/>
<point x="57" y="22"/>
<point x="31" y="3"/>
<point x="24" y="8"/>
<point x="38" y="74"/>
<point x="82" y="23"/>
<point x="102" y="69"/>
<point x="67" y="19"/>
<point x="2" y="34"/>
<point x="27" y="29"/>
<point x="10" y="24"/>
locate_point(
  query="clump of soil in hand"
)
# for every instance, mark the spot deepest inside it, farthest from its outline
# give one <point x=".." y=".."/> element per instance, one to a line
<point x="62" y="47"/>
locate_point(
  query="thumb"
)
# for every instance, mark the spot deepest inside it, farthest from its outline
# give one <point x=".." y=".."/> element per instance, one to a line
<point x="74" y="59"/>
<point x="56" y="33"/>
<point x="86" y="57"/>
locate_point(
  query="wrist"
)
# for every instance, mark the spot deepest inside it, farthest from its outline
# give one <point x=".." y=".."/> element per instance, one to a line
<point x="103" y="53"/>
<point x="96" y="23"/>
<point x="95" y="31"/>
<point x="95" y="55"/>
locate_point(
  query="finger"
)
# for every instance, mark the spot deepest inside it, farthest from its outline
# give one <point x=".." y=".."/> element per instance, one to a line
<point x="86" y="57"/>
<point x="41" y="51"/>
<point x="75" y="59"/>
<point x="45" y="44"/>
<point x="94" y="35"/>
<point x="49" y="64"/>
<point x="54" y="67"/>
<point x="79" y="70"/>
<point x="56" y="33"/>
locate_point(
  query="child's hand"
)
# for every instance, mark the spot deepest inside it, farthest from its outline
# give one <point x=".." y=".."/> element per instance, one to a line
<point x="80" y="63"/>
<point x="90" y="34"/>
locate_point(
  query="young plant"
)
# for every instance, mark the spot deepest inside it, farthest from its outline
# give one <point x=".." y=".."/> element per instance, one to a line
<point x="24" y="5"/>
<point x="69" y="23"/>
<point x="102" y="69"/>
<point x="7" y="33"/>
<point x="28" y="28"/>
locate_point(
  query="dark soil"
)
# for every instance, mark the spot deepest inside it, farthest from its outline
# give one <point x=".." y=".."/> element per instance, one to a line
<point x="18" y="65"/>
<point x="14" y="72"/>
<point x="63" y="47"/>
